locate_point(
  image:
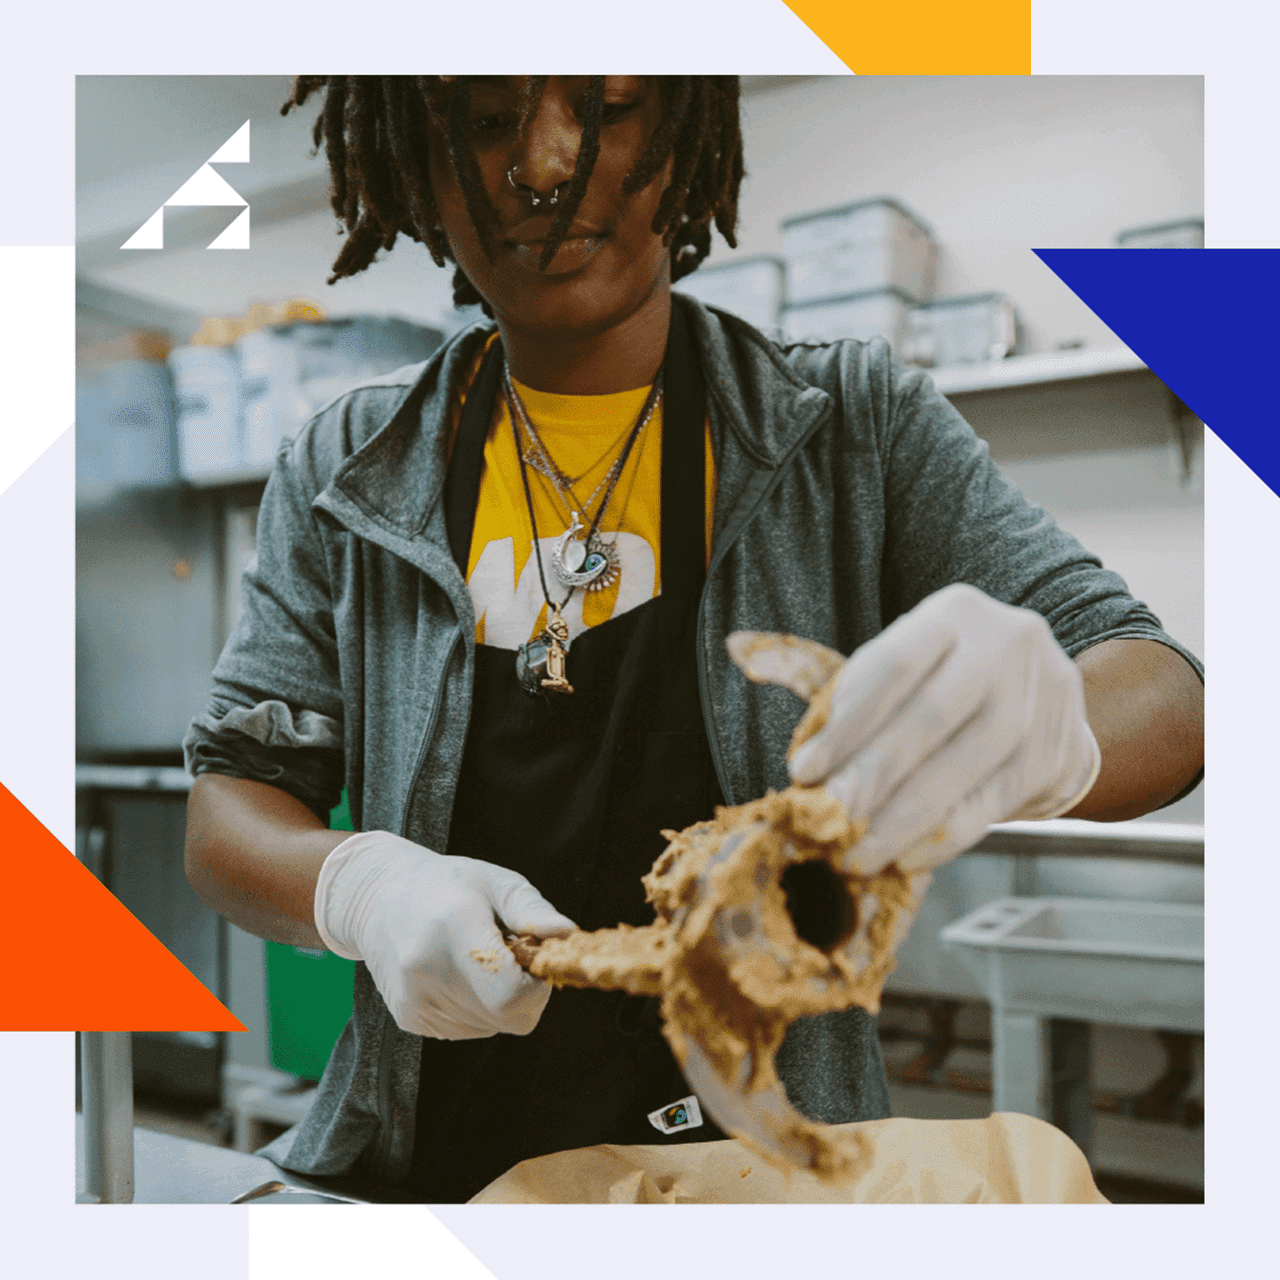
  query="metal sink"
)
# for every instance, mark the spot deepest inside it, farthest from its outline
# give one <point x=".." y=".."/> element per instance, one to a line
<point x="1130" y="963"/>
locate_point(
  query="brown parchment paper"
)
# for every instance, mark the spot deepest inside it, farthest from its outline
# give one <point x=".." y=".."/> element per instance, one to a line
<point x="1005" y="1159"/>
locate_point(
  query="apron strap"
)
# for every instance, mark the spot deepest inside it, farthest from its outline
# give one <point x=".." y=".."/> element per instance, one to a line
<point x="462" y="482"/>
<point x="684" y="481"/>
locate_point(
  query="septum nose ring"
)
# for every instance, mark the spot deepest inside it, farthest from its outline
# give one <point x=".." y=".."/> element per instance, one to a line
<point x="534" y="198"/>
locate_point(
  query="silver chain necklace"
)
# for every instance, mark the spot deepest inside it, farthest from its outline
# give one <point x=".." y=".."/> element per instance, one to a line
<point x="540" y="459"/>
<point x="588" y="562"/>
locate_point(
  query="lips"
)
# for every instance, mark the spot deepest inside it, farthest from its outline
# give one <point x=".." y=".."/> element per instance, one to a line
<point x="580" y="244"/>
<point x="535" y="231"/>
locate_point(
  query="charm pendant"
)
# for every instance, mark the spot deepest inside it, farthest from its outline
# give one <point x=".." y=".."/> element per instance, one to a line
<point x="579" y="562"/>
<point x="557" y="634"/>
<point x="540" y="664"/>
<point x="531" y="664"/>
<point x="612" y="569"/>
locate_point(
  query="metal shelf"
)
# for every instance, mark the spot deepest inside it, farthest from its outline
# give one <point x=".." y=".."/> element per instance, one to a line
<point x="227" y="479"/>
<point x="1035" y="370"/>
<point x="1057" y="369"/>
<point x="119" y="777"/>
<point x="1073" y="837"/>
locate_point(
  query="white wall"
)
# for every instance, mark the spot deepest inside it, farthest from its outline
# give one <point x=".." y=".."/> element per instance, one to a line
<point x="1151" y="538"/>
<point x="1128" y="506"/>
<point x="996" y="165"/>
<point x="1101" y="457"/>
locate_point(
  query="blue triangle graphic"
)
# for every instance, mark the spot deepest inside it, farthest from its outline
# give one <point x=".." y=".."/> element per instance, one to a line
<point x="1205" y="322"/>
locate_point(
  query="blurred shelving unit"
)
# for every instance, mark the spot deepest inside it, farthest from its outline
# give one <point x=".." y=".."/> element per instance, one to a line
<point x="1041" y="369"/>
<point x="1056" y="373"/>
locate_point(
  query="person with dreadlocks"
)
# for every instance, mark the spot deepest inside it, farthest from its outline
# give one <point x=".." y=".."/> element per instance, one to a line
<point x="492" y="592"/>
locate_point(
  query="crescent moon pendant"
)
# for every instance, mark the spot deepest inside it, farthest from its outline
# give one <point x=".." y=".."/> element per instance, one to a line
<point x="579" y="562"/>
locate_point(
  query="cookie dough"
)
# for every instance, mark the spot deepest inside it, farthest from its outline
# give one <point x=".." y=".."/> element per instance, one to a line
<point x="761" y="917"/>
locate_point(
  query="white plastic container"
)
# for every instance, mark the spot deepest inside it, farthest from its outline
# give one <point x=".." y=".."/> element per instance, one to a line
<point x="858" y="248"/>
<point x="1094" y="959"/>
<point x="124" y="427"/>
<point x="864" y="316"/>
<point x="337" y="354"/>
<point x="860" y="268"/>
<point x="748" y="287"/>
<point x="206" y="387"/>
<point x="967" y="330"/>
<point x="1186" y="234"/>
<point x="850" y="224"/>
<point x="289" y="371"/>
<point x="272" y="396"/>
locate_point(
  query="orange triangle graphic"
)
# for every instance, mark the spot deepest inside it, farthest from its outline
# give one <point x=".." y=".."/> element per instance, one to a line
<point x="926" y="38"/>
<point x="86" y="963"/>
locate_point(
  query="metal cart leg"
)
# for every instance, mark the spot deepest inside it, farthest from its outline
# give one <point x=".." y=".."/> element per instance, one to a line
<point x="1020" y="1062"/>
<point x="106" y="1086"/>
<point x="1071" y="1053"/>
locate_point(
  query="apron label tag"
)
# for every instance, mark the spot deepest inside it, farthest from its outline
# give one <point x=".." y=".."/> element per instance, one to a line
<point x="685" y="1114"/>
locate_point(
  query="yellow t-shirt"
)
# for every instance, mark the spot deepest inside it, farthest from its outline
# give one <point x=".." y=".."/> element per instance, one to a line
<point x="584" y="436"/>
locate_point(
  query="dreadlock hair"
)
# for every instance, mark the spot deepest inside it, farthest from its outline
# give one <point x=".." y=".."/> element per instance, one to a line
<point x="374" y="131"/>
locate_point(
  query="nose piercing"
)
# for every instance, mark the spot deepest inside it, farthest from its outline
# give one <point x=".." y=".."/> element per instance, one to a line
<point x="534" y="198"/>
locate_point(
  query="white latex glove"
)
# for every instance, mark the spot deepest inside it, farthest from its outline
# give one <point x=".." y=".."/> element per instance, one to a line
<point x="963" y="713"/>
<point x="427" y="927"/>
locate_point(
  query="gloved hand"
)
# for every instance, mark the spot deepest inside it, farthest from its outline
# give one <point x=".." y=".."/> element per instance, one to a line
<point x="963" y="713"/>
<point x="427" y="927"/>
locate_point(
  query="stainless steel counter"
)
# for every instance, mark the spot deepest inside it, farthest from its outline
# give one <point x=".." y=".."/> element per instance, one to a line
<point x="172" y="1170"/>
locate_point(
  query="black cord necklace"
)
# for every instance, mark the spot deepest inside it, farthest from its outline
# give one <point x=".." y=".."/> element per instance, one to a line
<point x="540" y="664"/>
<point x="580" y="561"/>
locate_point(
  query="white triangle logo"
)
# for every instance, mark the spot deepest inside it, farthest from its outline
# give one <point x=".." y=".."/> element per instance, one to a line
<point x="235" y="150"/>
<point x="236" y="236"/>
<point x="150" y="235"/>
<point x="205" y="188"/>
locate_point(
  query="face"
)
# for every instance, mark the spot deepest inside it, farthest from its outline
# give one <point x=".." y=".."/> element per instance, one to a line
<point x="609" y="264"/>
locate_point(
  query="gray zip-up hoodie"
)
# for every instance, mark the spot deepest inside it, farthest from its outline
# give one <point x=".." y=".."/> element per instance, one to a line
<point x="848" y="489"/>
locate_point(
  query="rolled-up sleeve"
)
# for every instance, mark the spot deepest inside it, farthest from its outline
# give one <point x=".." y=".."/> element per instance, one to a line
<point x="275" y="714"/>
<point x="952" y="516"/>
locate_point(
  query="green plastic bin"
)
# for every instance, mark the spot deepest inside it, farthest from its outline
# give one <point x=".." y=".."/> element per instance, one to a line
<point x="309" y="995"/>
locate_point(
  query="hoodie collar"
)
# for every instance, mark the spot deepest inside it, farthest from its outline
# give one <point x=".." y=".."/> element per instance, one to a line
<point x="767" y="409"/>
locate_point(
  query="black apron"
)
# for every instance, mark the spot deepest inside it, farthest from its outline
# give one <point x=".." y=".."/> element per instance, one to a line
<point x="572" y="791"/>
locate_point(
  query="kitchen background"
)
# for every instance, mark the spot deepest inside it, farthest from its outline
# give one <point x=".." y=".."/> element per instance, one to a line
<point x="931" y="192"/>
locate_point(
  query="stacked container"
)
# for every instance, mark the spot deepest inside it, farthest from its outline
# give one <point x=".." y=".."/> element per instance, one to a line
<point x="1186" y="234"/>
<point x="855" y="271"/>
<point x="237" y="403"/>
<point x="289" y="371"/>
<point x="124" y="427"/>
<point x="749" y="287"/>
<point x="206" y="390"/>
<point x="969" y="330"/>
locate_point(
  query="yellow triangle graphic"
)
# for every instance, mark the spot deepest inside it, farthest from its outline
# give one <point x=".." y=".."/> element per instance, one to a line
<point x="926" y="38"/>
